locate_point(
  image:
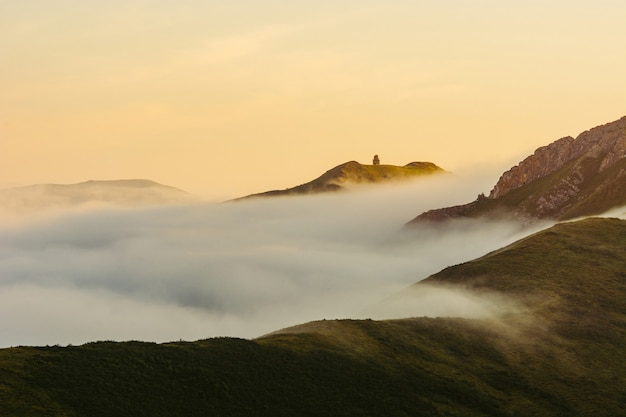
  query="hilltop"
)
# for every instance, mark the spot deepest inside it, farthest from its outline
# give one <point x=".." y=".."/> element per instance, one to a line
<point x="353" y="173"/>
<point x="559" y="353"/>
<point x="566" y="179"/>
<point x="113" y="192"/>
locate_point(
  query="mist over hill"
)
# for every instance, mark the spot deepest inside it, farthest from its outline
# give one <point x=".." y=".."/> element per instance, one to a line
<point x="532" y="326"/>
<point x="191" y="271"/>
<point x="560" y="352"/>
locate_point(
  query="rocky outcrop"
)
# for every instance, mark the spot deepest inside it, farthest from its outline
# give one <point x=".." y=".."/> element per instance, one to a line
<point x="565" y="179"/>
<point x="607" y="142"/>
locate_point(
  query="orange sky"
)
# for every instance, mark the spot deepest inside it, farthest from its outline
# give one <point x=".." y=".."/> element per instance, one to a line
<point x="228" y="98"/>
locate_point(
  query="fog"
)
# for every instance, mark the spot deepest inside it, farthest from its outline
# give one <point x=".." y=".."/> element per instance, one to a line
<point x="233" y="269"/>
<point x="446" y="301"/>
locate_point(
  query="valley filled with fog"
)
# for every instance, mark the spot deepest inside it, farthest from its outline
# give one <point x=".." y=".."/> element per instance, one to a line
<point x="197" y="270"/>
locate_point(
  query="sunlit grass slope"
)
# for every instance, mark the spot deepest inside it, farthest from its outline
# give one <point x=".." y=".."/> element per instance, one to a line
<point x="354" y="173"/>
<point x="562" y="353"/>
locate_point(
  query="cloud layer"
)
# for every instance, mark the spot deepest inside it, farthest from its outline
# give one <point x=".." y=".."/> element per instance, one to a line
<point x="233" y="269"/>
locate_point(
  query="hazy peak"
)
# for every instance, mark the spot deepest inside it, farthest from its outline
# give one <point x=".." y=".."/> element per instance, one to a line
<point x="124" y="192"/>
<point x="606" y="142"/>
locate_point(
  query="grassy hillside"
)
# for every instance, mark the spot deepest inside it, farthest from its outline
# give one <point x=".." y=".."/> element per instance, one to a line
<point x="353" y="173"/>
<point x="562" y="353"/>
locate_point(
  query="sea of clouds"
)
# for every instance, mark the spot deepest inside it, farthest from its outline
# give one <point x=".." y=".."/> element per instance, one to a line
<point x="239" y="269"/>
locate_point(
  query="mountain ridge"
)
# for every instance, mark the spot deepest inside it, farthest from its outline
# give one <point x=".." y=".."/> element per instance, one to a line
<point x="566" y="179"/>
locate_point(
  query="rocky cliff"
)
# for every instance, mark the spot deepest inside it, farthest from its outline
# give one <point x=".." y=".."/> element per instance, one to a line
<point x="565" y="179"/>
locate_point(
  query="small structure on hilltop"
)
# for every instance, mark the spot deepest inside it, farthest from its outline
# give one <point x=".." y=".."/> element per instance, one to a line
<point x="376" y="161"/>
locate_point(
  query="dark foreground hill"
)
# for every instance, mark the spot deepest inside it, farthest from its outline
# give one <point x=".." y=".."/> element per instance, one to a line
<point x="353" y="173"/>
<point x="567" y="179"/>
<point x="560" y="353"/>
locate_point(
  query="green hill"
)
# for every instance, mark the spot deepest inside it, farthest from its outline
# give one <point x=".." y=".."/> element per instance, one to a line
<point x="560" y="353"/>
<point x="353" y="173"/>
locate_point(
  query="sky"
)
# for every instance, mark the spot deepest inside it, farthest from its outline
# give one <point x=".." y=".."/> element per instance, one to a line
<point x="228" y="98"/>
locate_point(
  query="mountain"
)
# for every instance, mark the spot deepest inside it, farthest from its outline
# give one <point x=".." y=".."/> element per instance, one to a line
<point x="560" y="351"/>
<point x="353" y="173"/>
<point x="567" y="179"/>
<point x="115" y="192"/>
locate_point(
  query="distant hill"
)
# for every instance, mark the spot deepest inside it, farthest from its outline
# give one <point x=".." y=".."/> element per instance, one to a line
<point x="567" y="179"/>
<point x="353" y="173"/>
<point x="115" y="192"/>
<point x="561" y="353"/>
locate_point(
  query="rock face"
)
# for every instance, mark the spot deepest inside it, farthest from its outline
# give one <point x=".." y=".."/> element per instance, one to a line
<point x="352" y="173"/>
<point x="568" y="178"/>
<point x="606" y="142"/>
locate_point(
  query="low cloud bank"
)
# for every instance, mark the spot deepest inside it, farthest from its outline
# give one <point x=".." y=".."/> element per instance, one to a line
<point x="619" y="213"/>
<point x="234" y="269"/>
<point x="444" y="301"/>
